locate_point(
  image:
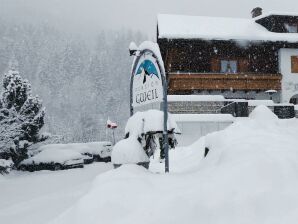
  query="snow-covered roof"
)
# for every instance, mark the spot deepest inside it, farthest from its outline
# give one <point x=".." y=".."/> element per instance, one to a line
<point x="217" y="28"/>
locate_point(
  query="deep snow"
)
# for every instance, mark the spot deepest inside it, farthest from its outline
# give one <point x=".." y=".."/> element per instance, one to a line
<point x="36" y="198"/>
<point x="249" y="176"/>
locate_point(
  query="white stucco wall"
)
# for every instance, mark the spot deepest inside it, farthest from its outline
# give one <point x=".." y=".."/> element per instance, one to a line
<point x="289" y="79"/>
<point x="152" y="106"/>
<point x="192" y="131"/>
<point x="243" y="95"/>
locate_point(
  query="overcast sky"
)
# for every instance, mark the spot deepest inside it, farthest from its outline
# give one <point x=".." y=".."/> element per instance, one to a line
<point x="94" y="15"/>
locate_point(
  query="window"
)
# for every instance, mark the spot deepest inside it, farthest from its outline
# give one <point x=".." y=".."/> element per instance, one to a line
<point x="294" y="64"/>
<point x="291" y="28"/>
<point x="228" y="66"/>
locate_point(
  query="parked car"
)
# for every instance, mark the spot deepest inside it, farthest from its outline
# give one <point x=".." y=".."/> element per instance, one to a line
<point x="101" y="151"/>
<point x="53" y="159"/>
<point x="97" y="151"/>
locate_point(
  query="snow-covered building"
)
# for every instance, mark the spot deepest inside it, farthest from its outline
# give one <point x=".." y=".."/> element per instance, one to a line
<point x="233" y="57"/>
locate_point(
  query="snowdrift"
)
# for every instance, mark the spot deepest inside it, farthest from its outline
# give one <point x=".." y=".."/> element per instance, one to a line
<point x="249" y="176"/>
<point x="129" y="151"/>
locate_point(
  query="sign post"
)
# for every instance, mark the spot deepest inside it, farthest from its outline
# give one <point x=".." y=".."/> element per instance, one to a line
<point x="113" y="126"/>
<point x="148" y="84"/>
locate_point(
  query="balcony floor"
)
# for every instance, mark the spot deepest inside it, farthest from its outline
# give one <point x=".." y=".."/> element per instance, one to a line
<point x="216" y="81"/>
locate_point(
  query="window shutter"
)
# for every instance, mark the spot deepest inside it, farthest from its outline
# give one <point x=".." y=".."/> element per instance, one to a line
<point x="294" y="64"/>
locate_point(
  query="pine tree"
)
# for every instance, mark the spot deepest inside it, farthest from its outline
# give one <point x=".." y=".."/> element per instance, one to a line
<point x="21" y="117"/>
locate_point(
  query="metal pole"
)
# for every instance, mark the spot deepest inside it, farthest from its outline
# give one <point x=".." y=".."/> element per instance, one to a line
<point x="113" y="136"/>
<point x="165" y="110"/>
<point x="106" y="134"/>
<point x="165" y="132"/>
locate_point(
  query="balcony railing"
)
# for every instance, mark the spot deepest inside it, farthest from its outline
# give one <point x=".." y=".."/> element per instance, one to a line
<point x="179" y="82"/>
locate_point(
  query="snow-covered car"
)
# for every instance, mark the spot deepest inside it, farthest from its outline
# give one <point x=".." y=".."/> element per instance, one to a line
<point x="101" y="151"/>
<point x="97" y="151"/>
<point x="53" y="159"/>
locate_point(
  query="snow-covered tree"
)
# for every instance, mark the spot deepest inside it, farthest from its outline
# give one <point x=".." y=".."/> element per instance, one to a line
<point x="21" y="117"/>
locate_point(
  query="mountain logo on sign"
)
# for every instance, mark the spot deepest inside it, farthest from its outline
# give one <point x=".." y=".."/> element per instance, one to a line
<point x="147" y="68"/>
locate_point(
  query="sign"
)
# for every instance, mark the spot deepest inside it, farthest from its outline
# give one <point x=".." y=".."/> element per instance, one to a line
<point x="147" y="82"/>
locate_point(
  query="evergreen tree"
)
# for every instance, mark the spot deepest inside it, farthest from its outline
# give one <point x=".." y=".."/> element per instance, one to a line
<point x="21" y="117"/>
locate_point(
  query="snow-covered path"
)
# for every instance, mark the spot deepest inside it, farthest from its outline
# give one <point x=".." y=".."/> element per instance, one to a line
<point x="37" y="197"/>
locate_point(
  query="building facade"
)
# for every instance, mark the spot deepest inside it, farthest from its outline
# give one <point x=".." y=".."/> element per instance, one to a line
<point x="234" y="57"/>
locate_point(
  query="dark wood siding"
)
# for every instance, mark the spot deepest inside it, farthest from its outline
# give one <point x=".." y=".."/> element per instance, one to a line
<point x="205" y="56"/>
<point x="196" y="64"/>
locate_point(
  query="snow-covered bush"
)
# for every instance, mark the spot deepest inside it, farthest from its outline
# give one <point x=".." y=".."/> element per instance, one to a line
<point x="148" y="127"/>
<point x="21" y="117"/>
<point x="143" y="135"/>
<point x="5" y="166"/>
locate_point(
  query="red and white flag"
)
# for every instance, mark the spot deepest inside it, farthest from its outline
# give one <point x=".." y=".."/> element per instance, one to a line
<point x="111" y="125"/>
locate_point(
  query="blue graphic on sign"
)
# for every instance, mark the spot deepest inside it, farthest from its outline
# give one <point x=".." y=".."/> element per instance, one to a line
<point x="147" y="68"/>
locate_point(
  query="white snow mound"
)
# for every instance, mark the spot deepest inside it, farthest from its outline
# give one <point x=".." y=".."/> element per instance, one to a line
<point x="128" y="151"/>
<point x="249" y="176"/>
<point x="261" y="113"/>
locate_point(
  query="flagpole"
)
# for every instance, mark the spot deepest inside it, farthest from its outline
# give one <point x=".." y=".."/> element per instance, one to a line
<point x="113" y="136"/>
<point x="107" y="132"/>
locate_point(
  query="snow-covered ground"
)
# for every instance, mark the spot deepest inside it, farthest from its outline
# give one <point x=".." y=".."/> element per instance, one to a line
<point x="36" y="198"/>
<point x="249" y="176"/>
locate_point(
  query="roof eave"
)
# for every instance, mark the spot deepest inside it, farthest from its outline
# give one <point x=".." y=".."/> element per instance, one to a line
<point x="229" y="40"/>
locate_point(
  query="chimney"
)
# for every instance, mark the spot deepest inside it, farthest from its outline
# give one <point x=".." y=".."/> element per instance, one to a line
<point x="256" y="12"/>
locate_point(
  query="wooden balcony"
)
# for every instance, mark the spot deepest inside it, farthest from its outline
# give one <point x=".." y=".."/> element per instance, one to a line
<point x="186" y="82"/>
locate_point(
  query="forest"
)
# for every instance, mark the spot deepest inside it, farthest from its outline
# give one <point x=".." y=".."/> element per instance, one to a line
<point x="82" y="82"/>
